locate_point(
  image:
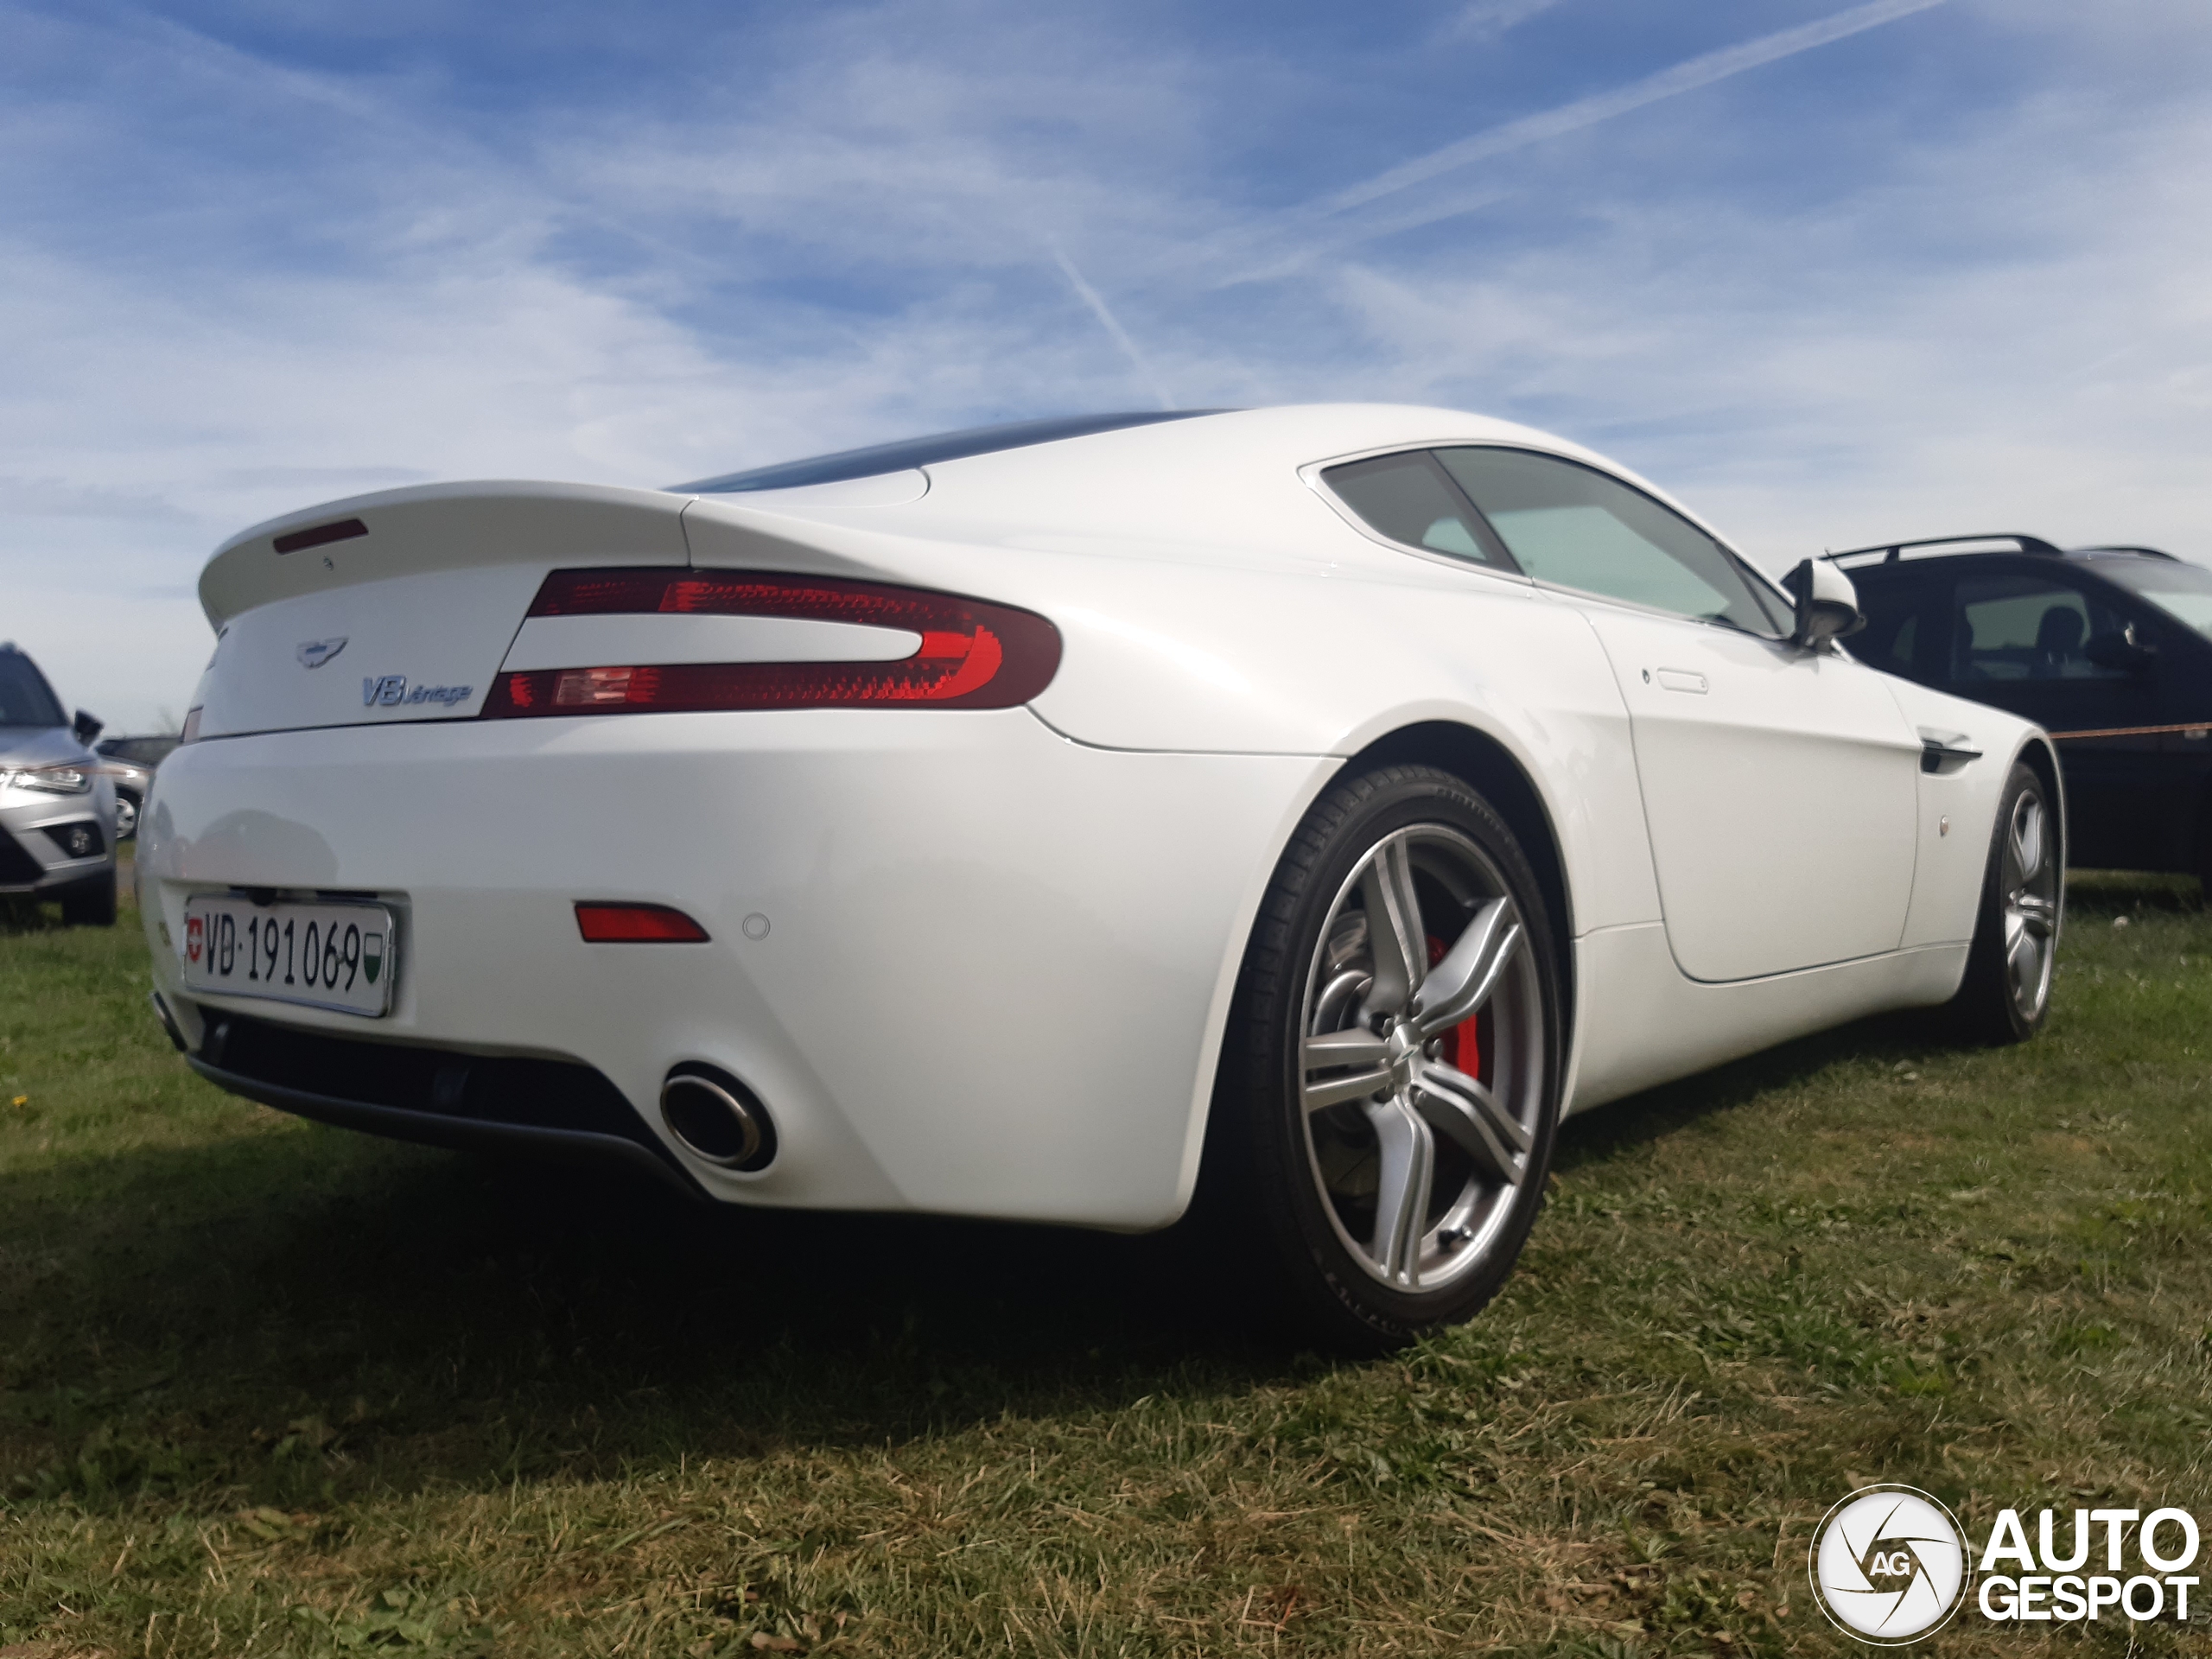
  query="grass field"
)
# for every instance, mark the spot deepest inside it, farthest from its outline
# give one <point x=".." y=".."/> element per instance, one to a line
<point x="271" y="1389"/>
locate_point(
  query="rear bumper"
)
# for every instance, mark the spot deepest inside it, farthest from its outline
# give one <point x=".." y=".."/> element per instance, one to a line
<point x="542" y="1108"/>
<point x="970" y="967"/>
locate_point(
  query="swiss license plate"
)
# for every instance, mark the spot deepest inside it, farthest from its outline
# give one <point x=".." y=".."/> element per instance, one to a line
<point x="326" y="955"/>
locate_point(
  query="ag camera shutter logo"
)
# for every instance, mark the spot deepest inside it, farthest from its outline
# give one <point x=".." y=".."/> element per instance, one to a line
<point x="1889" y="1565"/>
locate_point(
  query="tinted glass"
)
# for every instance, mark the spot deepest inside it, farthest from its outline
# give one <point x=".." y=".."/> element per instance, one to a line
<point x="1408" y="498"/>
<point x="1573" y="525"/>
<point x="2183" y="591"/>
<point x="2029" y="628"/>
<point x="144" y="751"/>
<point x="878" y="459"/>
<point x="1904" y="629"/>
<point x="24" y="698"/>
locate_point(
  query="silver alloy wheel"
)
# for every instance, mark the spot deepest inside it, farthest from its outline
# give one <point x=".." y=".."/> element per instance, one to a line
<point x="2031" y="874"/>
<point x="1380" y="1031"/>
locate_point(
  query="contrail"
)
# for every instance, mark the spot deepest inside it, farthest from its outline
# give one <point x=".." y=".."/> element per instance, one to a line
<point x="1307" y="218"/>
<point x="1603" y="106"/>
<point x="1090" y="298"/>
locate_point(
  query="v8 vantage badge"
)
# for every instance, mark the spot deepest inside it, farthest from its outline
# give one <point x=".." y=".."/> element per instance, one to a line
<point x="1889" y="1565"/>
<point x="392" y="691"/>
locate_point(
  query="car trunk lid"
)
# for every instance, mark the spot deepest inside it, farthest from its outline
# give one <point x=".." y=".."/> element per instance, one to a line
<point x="400" y="606"/>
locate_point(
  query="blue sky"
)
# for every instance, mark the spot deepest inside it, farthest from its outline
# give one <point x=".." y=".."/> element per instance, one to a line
<point x="1830" y="272"/>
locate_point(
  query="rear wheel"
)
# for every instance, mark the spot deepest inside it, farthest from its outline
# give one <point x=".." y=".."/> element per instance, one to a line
<point x="90" y="904"/>
<point x="2005" y="996"/>
<point x="1390" y="1092"/>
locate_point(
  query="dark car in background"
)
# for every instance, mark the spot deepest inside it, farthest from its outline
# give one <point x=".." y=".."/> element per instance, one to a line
<point x="131" y="762"/>
<point x="2106" y="648"/>
<point x="57" y="805"/>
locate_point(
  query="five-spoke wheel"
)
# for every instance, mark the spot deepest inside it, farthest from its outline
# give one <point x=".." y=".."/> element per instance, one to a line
<point x="1390" y="1094"/>
<point x="2005" y="993"/>
<point x="1422" y="1058"/>
<point x="2030" y="883"/>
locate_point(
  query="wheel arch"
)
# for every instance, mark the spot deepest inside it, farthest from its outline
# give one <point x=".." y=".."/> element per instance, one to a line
<point x="2040" y="757"/>
<point x="1489" y="767"/>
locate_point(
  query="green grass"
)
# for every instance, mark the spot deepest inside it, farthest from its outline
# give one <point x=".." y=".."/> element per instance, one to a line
<point x="267" y="1388"/>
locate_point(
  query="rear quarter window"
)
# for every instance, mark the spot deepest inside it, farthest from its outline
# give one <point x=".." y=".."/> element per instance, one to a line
<point x="1407" y="499"/>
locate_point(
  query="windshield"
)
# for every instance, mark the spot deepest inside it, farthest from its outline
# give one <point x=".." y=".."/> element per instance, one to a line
<point x="2183" y="591"/>
<point x="25" y="697"/>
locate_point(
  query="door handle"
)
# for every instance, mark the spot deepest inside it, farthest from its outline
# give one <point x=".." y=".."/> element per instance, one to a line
<point x="1681" y="679"/>
<point x="1945" y="752"/>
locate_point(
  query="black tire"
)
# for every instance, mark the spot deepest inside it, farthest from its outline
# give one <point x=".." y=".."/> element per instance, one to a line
<point x="2003" y="999"/>
<point x="90" y="904"/>
<point x="1281" y="1186"/>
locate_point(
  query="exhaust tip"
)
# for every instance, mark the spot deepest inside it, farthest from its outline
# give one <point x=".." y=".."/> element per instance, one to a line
<point x="717" y="1118"/>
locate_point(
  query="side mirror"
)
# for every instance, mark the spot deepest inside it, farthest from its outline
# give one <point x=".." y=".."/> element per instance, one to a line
<point x="2120" y="650"/>
<point x="1827" y="605"/>
<point x="86" y="727"/>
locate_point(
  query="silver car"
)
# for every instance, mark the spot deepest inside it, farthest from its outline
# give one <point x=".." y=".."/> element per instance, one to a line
<point x="130" y="762"/>
<point x="57" y="803"/>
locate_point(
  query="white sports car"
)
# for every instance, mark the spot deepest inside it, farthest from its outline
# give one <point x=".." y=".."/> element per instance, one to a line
<point x="1299" y="808"/>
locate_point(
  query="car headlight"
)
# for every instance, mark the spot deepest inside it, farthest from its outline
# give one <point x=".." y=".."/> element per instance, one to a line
<point x="52" y="780"/>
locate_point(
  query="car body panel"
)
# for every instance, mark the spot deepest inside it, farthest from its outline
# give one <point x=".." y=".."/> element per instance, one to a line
<point x="967" y="1015"/>
<point x="978" y="961"/>
<point x="1780" y="790"/>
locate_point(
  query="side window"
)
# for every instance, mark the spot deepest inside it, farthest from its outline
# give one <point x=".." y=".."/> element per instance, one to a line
<point x="25" y="699"/>
<point x="1408" y="498"/>
<point x="2029" y="627"/>
<point x="1902" y="624"/>
<point x="1570" y="524"/>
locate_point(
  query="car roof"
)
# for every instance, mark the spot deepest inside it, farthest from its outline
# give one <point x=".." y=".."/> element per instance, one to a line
<point x="1882" y="555"/>
<point x="847" y="465"/>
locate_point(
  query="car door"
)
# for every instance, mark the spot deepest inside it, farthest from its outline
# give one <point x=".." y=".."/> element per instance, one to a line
<point x="1780" y="785"/>
<point x="2021" y="635"/>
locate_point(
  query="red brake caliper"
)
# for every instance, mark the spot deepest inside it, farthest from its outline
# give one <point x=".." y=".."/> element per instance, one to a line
<point x="1463" y="1043"/>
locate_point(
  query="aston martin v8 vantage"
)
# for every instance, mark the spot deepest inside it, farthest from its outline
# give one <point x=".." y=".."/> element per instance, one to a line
<point x="1295" y="810"/>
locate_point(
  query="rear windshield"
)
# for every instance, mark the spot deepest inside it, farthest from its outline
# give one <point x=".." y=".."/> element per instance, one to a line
<point x="2183" y="591"/>
<point x="849" y="464"/>
<point x="25" y="697"/>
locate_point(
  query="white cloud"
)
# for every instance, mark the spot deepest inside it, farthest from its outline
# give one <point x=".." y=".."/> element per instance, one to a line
<point x="1486" y="19"/>
<point x="1983" y="311"/>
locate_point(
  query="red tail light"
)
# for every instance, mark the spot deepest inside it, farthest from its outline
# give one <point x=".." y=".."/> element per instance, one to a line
<point x="637" y="924"/>
<point x="972" y="655"/>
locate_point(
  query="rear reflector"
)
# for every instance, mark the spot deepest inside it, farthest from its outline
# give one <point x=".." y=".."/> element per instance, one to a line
<point x="603" y="924"/>
<point x="972" y="655"/>
<point x="321" y="535"/>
